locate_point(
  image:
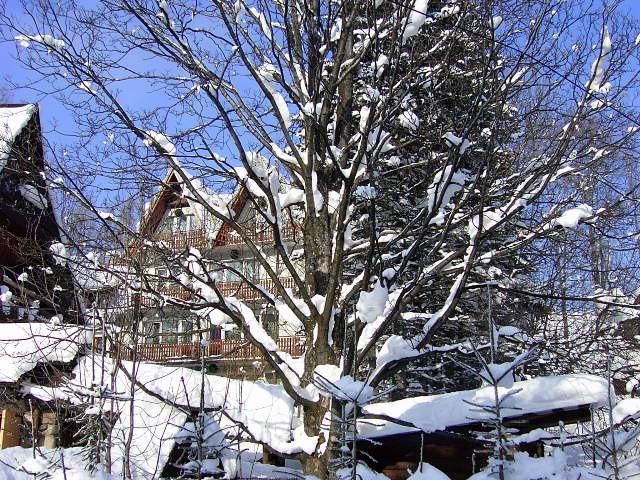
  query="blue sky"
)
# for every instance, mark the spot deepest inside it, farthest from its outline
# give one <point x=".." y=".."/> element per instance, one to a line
<point x="53" y="113"/>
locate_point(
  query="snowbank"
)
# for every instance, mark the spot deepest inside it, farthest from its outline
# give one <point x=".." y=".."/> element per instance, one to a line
<point x="17" y="462"/>
<point x="438" y="412"/>
<point x="552" y="467"/>
<point x="24" y="345"/>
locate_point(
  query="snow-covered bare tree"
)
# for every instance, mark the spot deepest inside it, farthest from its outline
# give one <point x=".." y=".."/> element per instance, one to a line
<point x="298" y="104"/>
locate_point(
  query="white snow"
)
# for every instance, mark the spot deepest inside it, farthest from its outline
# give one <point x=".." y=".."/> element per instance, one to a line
<point x="625" y="409"/>
<point x="409" y="120"/>
<point x="161" y="139"/>
<point x="12" y="121"/>
<point x="5" y="299"/>
<point x="327" y="378"/>
<point x="425" y="471"/>
<point x="500" y="373"/>
<point x="24" y="345"/>
<point x="456" y="141"/>
<point x="59" y="252"/>
<point x="371" y="304"/>
<point x="600" y="65"/>
<point x="438" y="412"/>
<point x="256" y="330"/>
<point x="49" y="40"/>
<point x="266" y="411"/>
<point x="267" y="73"/>
<point x="416" y="20"/>
<point x="15" y="462"/>
<point x="88" y="87"/>
<point x="107" y="216"/>
<point x="442" y="188"/>
<point x="571" y="218"/>
<point x="33" y="196"/>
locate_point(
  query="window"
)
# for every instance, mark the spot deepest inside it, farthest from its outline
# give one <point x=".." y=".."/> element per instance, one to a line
<point x="183" y="222"/>
<point x="186" y="330"/>
<point x="162" y="275"/>
<point x="169" y="330"/>
<point x="229" y="274"/>
<point x="232" y="334"/>
<point x="248" y="268"/>
<point x="152" y="333"/>
<point x="270" y="323"/>
<point x="176" y="221"/>
<point x="251" y="269"/>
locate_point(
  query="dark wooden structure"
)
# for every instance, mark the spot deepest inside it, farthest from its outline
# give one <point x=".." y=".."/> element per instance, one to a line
<point x="28" y="227"/>
<point x="457" y="451"/>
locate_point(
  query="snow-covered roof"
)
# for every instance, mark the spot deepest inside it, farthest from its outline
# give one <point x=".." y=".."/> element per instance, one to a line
<point x="12" y="120"/>
<point x="439" y="412"/>
<point x="24" y="345"/>
<point x="219" y="201"/>
<point x="265" y="410"/>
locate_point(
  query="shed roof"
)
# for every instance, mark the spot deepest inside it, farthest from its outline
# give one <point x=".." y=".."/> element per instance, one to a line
<point x="440" y="412"/>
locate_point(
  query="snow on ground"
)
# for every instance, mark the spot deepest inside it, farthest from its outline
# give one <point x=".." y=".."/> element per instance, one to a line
<point x="551" y="467"/>
<point x="265" y="410"/>
<point x="24" y="345"/>
<point x="438" y="412"/>
<point x="363" y="472"/>
<point x="17" y="463"/>
<point x="12" y="121"/>
<point x="424" y="471"/>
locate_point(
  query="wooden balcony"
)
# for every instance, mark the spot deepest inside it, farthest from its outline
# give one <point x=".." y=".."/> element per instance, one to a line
<point x="180" y="240"/>
<point x="243" y="290"/>
<point x="240" y="290"/>
<point x="258" y="233"/>
<point x="216" y="349"/>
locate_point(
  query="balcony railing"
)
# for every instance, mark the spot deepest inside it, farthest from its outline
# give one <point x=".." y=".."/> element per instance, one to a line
<point x="182" y="240"/>
<point x="222" y="349"/>
<point x="240" y="290"/>
<point x="258" y="233"/>
<point x="244" y="291"/>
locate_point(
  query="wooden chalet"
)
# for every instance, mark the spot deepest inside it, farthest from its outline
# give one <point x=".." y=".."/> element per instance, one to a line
<point x="37" y="289"/>
<point x="39" y="284"/>
<point x="176" y="223"/>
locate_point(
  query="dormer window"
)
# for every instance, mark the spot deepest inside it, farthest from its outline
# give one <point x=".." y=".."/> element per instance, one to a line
<point x="178" y="220"/>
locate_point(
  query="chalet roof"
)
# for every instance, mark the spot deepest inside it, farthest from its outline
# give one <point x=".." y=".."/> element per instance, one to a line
<point x="13" y="118"/>
<point x="440" y="412"/>
<point x="173" y="185"/>
<point x="28" y="222"/>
